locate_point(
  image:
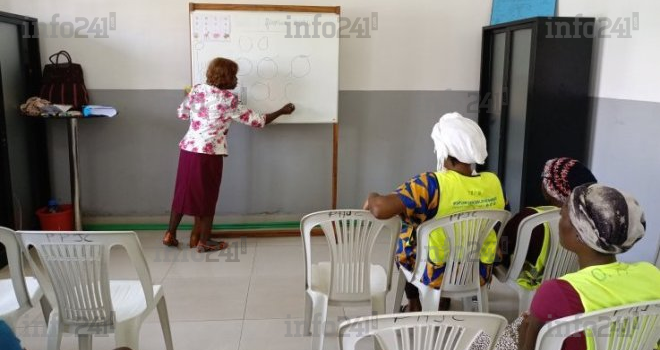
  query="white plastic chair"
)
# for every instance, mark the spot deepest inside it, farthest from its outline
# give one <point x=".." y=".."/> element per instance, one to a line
<point x="18" y="294"/>
<point x="422" y="330"/>
<point x="559" y="261"/>
<point x="86" y="301"/>
<point x="349" y="278"/>
<point x="628" y="327"/>
<point x="466" y="233"/>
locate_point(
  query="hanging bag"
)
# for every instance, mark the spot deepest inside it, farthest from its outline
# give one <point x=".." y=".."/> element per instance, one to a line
<point x="63" y="82"/>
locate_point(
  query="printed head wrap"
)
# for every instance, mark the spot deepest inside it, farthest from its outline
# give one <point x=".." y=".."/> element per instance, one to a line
<point x="607" y="220"/>
<point x="562" y="175"/>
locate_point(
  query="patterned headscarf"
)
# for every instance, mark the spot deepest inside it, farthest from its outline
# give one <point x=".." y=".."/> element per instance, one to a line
<point x="459" y="137"/>
<point x="562" y="175"/>
<point x="606" y="219"/>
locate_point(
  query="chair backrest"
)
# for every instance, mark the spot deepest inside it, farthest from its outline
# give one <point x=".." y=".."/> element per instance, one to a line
<point x="466" y="232"/>
<point x="15" y="260"/>
<point x="75" y="264"/>
<point x="422" y="330"/>
<point x="628" y="327"/>
<point x="559" y="261"/>
<point x="351" y="235"/>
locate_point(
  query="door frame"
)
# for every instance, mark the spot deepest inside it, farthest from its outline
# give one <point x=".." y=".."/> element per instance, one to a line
<point x="27" y="30"/>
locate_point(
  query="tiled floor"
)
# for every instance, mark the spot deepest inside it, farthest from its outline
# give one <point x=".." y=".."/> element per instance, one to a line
<point x="249" y="298"/>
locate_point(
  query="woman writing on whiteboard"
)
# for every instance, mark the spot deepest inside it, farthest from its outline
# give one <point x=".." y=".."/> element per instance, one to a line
<point x="211" y="108"/>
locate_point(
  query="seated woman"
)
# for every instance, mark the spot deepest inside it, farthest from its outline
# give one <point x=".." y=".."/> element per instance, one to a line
<point x="560" y="176"/>
<point x="459" y="144"/>
<point x="597" y="222"/>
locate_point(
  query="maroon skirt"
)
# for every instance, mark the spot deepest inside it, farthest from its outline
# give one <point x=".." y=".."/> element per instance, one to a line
<point x="197" y="184"/>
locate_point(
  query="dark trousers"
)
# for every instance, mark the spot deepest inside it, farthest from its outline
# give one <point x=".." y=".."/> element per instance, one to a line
<point x="411" y="291"/>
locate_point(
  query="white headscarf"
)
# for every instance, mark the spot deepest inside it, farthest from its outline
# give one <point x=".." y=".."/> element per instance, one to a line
<point x="459" y="137"/>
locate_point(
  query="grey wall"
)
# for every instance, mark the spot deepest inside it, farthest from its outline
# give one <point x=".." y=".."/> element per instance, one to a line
<point x="128" y="163"/>
<point x="626" y="155"/>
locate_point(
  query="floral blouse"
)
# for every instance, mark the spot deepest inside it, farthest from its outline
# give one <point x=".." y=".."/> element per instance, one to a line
<point x="211" y="111"/>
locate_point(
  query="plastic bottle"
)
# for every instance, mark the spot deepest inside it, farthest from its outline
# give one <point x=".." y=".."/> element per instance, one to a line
<point x="53" y="206"/>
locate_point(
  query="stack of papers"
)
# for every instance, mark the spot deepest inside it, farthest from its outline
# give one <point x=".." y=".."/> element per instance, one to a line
<point x="55" y="110"/>
<point x="99" y="110"/>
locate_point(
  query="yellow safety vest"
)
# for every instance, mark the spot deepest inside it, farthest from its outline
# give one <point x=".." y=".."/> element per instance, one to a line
<point x="460" y="193"/>
<point x="615" y="284"/>
<point x="530" y="276"/>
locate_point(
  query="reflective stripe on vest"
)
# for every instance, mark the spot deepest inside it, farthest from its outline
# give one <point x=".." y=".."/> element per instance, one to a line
<point x="460" y="193"/>
<point x="615" y="284"/>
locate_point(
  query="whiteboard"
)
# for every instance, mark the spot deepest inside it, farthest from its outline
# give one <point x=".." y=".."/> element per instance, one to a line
<point x="282" y="57"/>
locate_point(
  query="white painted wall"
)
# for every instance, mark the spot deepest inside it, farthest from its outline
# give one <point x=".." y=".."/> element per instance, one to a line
<point x="624" y="68"/>
<point x="420" y="45"/>
<point x="425" y="45"/>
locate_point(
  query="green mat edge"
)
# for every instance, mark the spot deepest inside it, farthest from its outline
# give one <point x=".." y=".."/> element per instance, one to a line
<point x="162" y="227"/>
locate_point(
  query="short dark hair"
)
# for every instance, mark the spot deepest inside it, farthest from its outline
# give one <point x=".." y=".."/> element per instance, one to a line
<point x="221" y="73"/>
<point x="453" y="160"/>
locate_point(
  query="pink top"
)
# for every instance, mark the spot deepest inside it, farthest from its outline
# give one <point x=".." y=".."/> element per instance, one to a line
<point x="556" y="299"/>
<point x="211" y="111"/>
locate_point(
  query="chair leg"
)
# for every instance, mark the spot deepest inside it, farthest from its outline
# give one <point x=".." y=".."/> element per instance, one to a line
<point x="400" y="287"/>
<point x="467" y="304"/>
<point x="319" y="317"/>
<point x="46" y="309"/>
<point x="482" y="299"/>
<point x="309" y="309"/>
<point x="378" y="304"/>
<point x="161" y="307"/>
<point x="378" y="308"/>
<point x="430" y="298"/>
<point x="85" y="341"/>
<point x="128" y="334"/>
<point x="54" y="333"/>
<point x="524" y="300"/>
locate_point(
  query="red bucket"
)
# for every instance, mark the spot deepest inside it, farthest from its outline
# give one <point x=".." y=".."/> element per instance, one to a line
<point x="60" y="221"/>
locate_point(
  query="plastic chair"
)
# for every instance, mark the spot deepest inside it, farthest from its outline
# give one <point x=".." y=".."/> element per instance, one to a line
<point x="559" y="262"/>
<point x="422" y="330"/>
<point x="627" y="327"/>
<point x="466" y="232"/>
<point x="87" y="301"/>
<point x="19" y="293"/>
<point x="349" y="278"/>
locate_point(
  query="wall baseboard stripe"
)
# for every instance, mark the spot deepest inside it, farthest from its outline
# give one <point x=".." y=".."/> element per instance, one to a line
<point x="283" y="225"/>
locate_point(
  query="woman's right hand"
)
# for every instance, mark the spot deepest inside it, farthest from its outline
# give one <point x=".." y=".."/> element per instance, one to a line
<point x="288" y="108"/>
